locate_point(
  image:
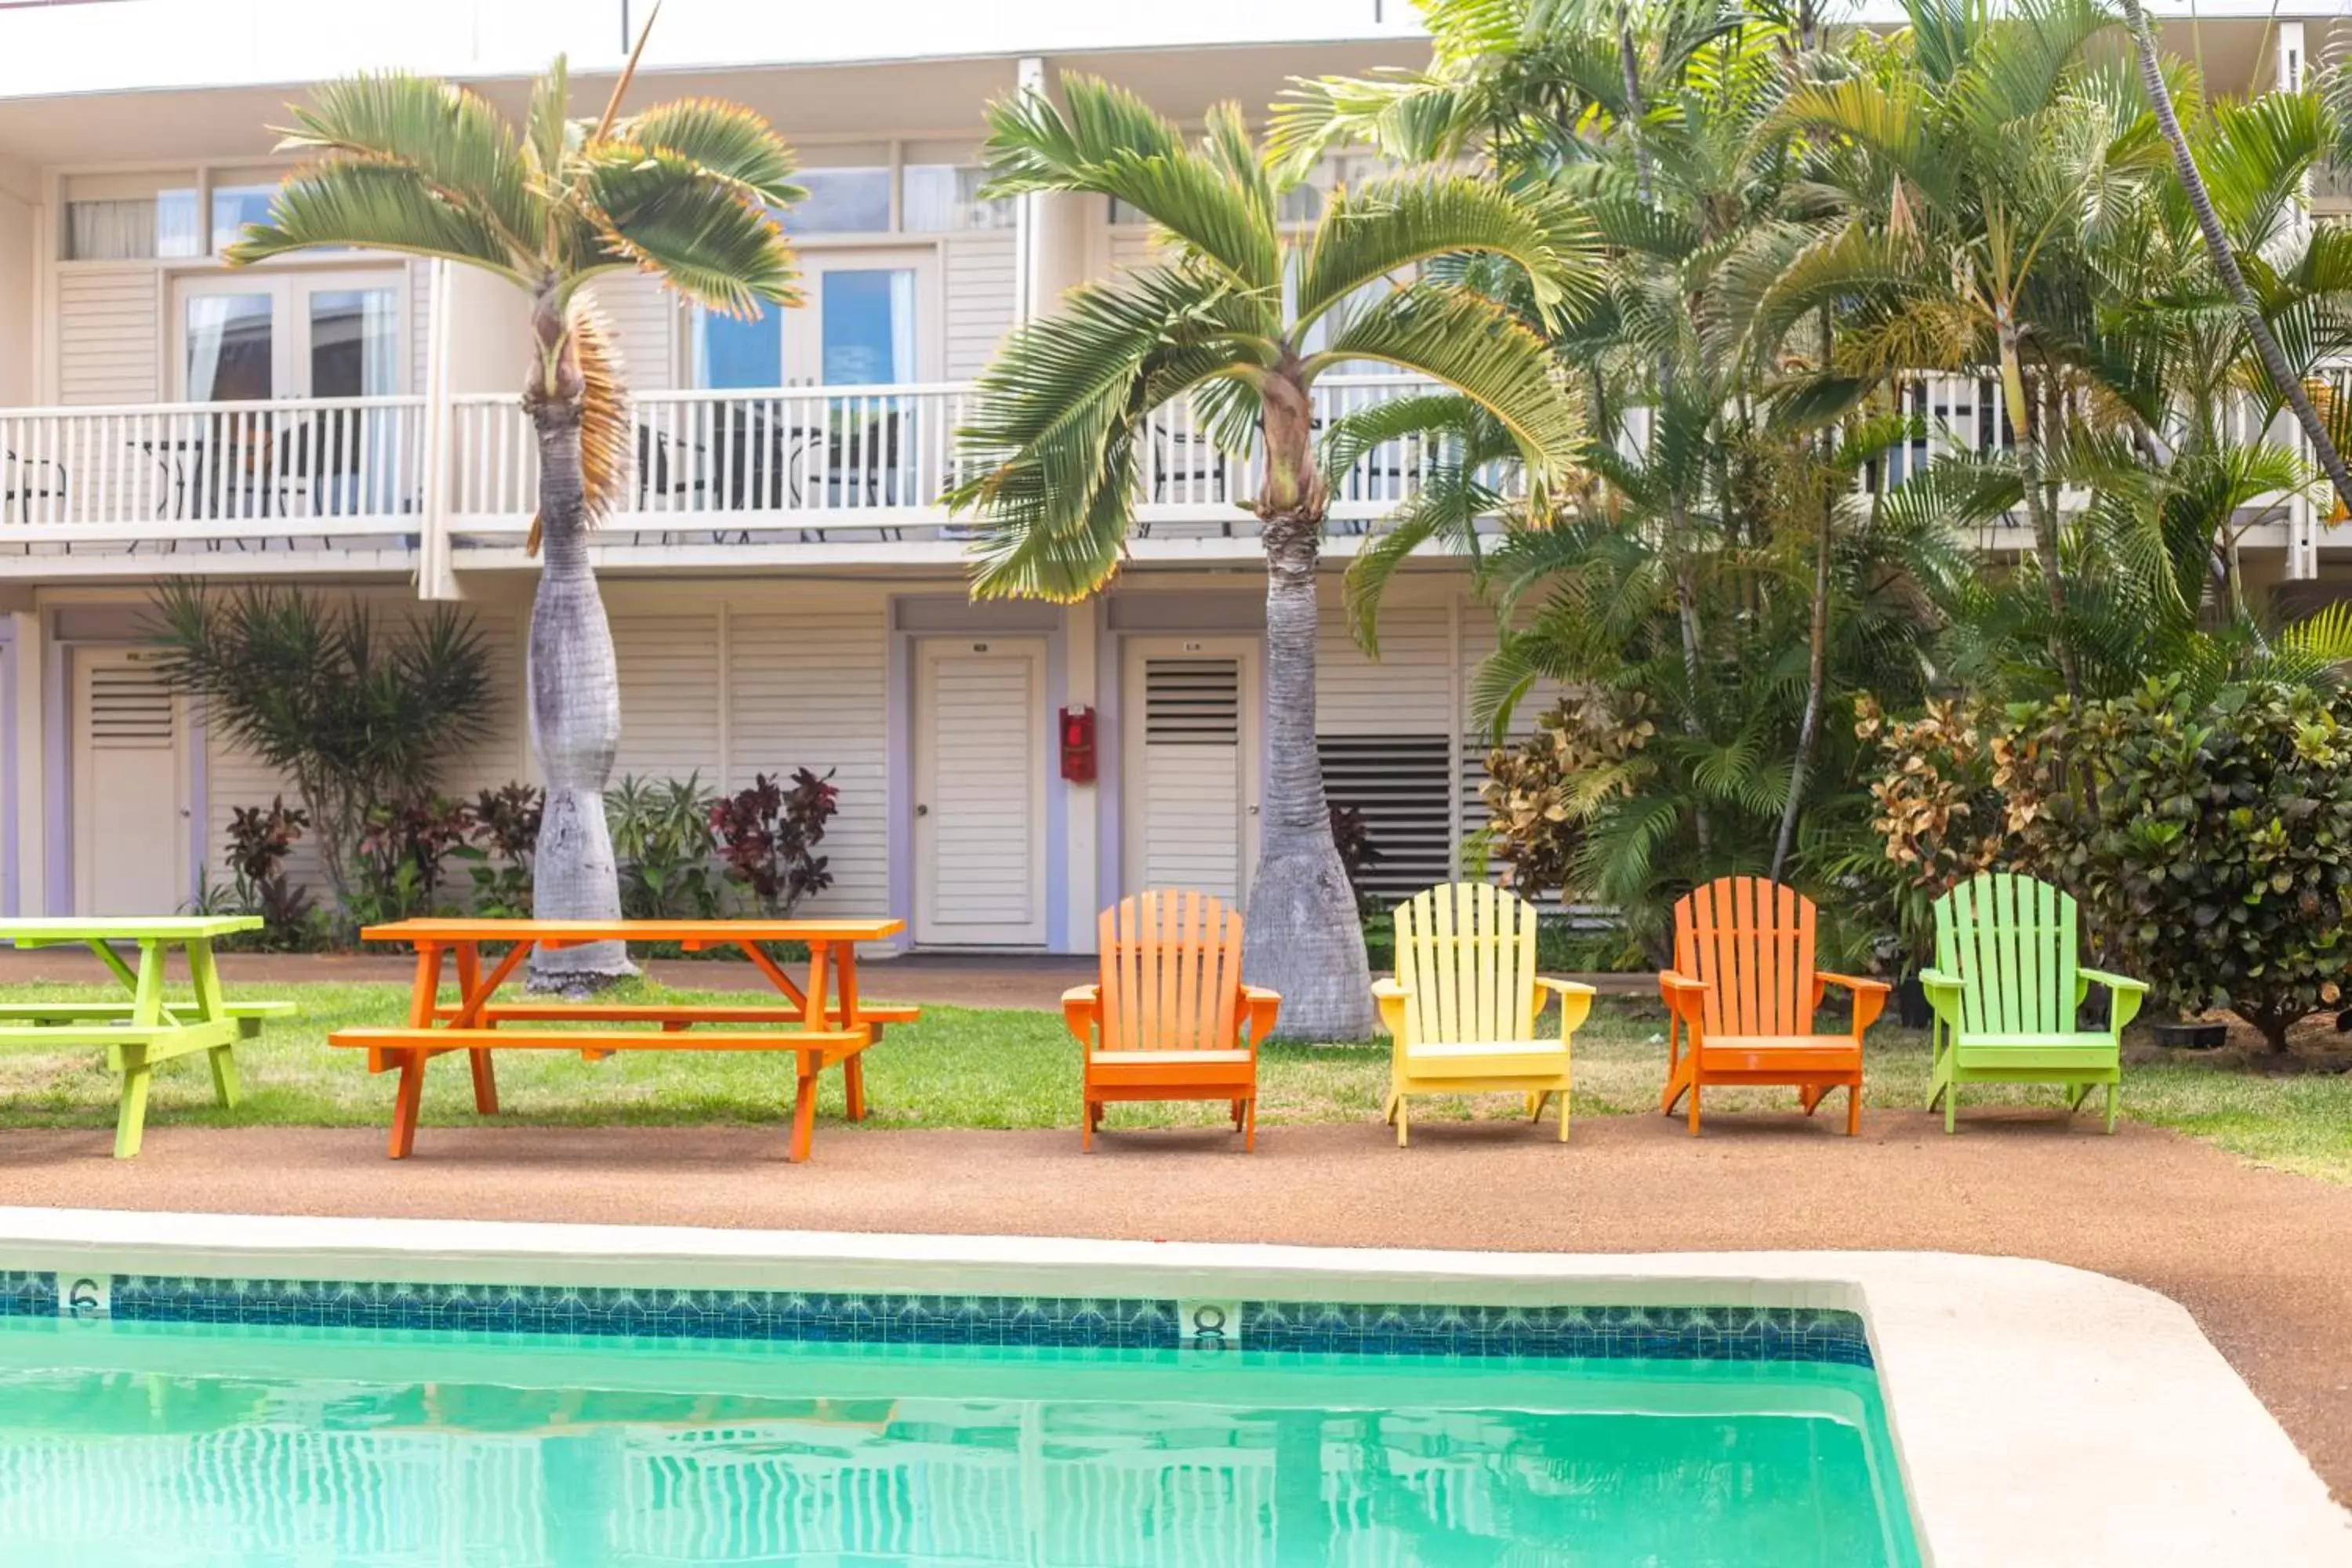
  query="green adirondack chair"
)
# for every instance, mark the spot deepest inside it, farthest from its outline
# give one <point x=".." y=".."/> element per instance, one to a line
<point x="2005" y="988"/>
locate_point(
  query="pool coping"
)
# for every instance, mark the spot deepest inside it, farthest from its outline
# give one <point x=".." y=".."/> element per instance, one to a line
<point x="2042" y="1413"/>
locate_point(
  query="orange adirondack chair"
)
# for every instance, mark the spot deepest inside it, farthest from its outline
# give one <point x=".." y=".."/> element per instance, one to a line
<point x="1741" y="994"/>
<point x="1170" y="1018"/>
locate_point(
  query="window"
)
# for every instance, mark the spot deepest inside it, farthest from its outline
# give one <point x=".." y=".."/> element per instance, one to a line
<point x="240" y="198"/>
<point x="943" y="198"/>
<point x="848" y="197"/>
<point x="737" y="353"/>
<point x="128" y="218"/>
<point x="231" y="341"/>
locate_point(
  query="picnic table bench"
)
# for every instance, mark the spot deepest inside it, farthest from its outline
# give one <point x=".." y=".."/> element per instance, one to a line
<point x="143" y="1030"/>
<point x="833" y="1025"/>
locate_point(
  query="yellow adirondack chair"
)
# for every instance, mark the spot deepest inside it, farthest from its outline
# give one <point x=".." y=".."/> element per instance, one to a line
<point x="1462" y="1009"/>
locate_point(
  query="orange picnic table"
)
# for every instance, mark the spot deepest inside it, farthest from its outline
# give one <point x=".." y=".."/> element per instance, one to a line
<point x="833" y="1025"/>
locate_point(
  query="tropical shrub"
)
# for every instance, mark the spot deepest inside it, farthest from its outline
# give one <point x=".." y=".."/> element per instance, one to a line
<point x="259" y="841"/>
<point x="1586" y="757"/>
<point x="2210" y="842"/>
<point x="662" y="834"/>
<point x="1939" y="816"/>
<point x="768" y="836"/>
<point x="354" y="717"/>
<point x="403" y="853"/>
<point x="503" y="830"/>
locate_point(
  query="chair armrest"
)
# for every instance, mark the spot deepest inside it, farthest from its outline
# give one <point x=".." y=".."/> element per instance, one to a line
<point x="1082" y="1011"/>
<point x="1575" y="1001"/>
<point x="1684" y="996"/>
<point x="2127" y="993"/>
<point x="1869" y="996"/>
<point x="1261" y="1008"/>
<point x="1943" y="992"/>
<point x="1390" y="997"/>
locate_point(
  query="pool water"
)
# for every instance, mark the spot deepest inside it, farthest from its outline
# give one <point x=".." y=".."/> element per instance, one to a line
<point x="135" y="1445"/>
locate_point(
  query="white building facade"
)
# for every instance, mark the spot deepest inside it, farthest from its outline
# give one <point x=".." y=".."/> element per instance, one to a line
<point x="784" y="586"/>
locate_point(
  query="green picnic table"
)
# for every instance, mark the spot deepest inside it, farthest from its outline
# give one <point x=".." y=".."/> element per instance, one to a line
<point x="143" y="1029"/>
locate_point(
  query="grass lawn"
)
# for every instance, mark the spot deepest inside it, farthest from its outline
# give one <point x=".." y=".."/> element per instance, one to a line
<point x="968" y="1067"/>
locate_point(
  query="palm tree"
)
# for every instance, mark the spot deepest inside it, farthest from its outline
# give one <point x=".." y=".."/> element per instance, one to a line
<point x="1228" y="319"/>
<point x="684" y="191"/>
<point x="2250" y="312"/>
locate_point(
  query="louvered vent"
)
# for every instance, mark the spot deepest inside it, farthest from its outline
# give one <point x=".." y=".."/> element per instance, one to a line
<point x="1400" y="783"/>
<point x="1191" y="701"/>
<point x="130" y="710"/>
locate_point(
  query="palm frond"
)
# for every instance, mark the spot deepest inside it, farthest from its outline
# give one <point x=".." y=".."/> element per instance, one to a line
<point x="1385" y="228"/>
<point x="724" y="141"/>
<point x="694" y="231"/>
<point x="1107" y="141"/>
<point x="1474" y="346"/>
<point x="373" y="206"/>
<point x="453" y="138"/>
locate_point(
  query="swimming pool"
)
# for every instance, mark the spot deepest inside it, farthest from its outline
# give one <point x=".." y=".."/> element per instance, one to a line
<point x="297" y="1422"/>
<point x="141" y="1445"/>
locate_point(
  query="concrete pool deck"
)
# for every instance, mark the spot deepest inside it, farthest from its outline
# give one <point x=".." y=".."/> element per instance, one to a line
<point x="2040" y="1413"/>
<point x="2260" y="1258"/>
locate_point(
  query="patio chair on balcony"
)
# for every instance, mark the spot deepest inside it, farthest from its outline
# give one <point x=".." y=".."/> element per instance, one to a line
<point x="24" y="481"/>
<point x="1190" y="460"/>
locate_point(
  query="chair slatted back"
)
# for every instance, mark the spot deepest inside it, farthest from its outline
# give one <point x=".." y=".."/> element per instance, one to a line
<point x="1467" y="951"/>
<point x="1171" y="973"/>
<point x="1751" y="941"/>
<point x="2011" y="942"/>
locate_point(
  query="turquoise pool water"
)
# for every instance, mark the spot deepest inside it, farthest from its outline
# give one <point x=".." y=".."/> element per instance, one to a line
<point x="137" y="1445"/>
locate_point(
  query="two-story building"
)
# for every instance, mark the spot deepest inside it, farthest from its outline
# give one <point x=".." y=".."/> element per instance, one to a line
<point x="784" y="586"/>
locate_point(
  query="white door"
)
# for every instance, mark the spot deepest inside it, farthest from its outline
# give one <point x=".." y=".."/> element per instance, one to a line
<point x="1190" y="764"/>
<point x="132" y="827"/>
<point x="980" y="792"/>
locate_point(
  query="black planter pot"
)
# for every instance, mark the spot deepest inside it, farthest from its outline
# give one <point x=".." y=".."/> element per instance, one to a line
<point x="2193" y="1037"/>
<point x="1911" y="1008"/>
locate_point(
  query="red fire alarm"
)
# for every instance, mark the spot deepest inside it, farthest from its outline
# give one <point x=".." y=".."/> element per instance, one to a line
<point x="1079" y="745"/>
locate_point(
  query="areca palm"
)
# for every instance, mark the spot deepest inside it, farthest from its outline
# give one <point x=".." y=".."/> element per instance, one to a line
<point x="684" y="191"/>
<point x="1990" y="159"/>
<point x="1245" y="317"/>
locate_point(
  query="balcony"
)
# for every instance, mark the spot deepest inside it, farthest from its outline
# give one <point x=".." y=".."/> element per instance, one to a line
<point x="790" y="475"/>
<point x="810" y="472"/>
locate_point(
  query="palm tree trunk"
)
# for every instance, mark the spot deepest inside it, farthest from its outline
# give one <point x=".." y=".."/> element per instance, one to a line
<point x="1303" y="936"/>
<point x="2289" y="385"/>
<point x="575" y="714"/>
<point x="2027" y="433"/>
<point x="1816" y="678"/>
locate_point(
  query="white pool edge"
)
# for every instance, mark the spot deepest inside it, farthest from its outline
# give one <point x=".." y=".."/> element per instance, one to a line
<point x="2042" y="1413"/>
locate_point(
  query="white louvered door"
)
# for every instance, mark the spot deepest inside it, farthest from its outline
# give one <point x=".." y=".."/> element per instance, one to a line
<point x="1189" y="710"/>
<point x="130" y="816"/>
<point x="980" y="792"/>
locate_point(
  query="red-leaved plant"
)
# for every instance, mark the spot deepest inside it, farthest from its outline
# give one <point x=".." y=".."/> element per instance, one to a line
<point x="768" y="836"/>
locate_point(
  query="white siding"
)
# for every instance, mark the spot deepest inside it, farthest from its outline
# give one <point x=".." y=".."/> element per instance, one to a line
<point x="110" y="335"/>
<point x="420" y="324"/>
<point x="645" y="318"/>
<point x="979" y="304"/>
<point x="669" y="696"/>
<point x="1408" y="691"/>
<point x="809" y="688"/>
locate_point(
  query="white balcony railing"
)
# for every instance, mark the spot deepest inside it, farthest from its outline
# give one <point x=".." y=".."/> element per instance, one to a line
<point x="319" y="468"/>
<point x="767" y="467"/>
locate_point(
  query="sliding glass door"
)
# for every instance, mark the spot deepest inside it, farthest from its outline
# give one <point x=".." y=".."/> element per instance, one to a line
<point x="246" y="340"/>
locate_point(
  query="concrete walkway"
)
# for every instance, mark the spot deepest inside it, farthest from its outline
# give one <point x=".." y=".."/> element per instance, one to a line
<point x="2259" y="1256"/>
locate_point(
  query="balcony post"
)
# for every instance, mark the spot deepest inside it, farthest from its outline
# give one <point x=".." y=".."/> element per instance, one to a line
<point x="437" y="576"/>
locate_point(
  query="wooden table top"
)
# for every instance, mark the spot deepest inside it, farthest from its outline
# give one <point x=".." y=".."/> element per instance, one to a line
<point x="430" y="929"/>
<point x="40" y="931"/>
